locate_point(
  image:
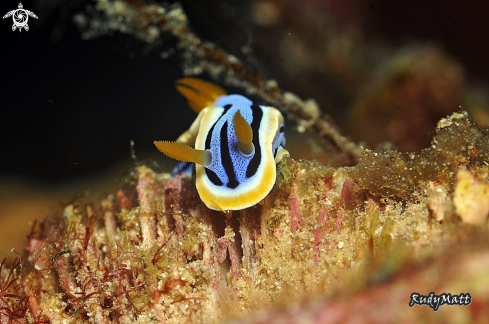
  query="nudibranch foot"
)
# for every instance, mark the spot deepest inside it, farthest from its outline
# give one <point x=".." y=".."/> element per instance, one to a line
<point x="183" y="168"/>
<point x="281" y="153"/>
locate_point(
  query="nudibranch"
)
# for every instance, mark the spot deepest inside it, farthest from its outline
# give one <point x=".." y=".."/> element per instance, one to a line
<point x="234" y="143"/>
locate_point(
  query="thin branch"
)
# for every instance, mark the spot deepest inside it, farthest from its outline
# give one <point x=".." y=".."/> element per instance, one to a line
<point x="142" y="20"/>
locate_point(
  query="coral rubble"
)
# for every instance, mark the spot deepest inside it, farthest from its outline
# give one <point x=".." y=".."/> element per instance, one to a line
<point x="326" y="240"/>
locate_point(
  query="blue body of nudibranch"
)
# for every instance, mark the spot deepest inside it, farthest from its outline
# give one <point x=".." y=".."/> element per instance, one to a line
<point x="230" y="168"/>
<point x="235" y="180"/>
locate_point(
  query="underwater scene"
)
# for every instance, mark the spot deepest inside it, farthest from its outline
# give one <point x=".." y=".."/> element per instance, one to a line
<point x="258" y="161"/>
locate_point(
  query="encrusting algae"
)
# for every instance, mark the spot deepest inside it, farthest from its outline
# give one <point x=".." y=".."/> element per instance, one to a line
<point x="324" y="240"/>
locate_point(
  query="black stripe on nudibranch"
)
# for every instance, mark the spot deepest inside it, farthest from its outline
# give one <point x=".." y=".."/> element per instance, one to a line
<point x="213" y="177"/>
<point x="211" y="174"/>
<point x="209" y="138"/>
<point x="227" y="163"/>
<point x="255" y="126"/>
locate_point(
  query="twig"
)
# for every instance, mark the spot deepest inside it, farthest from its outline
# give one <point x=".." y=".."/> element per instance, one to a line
<point x="143" y="19"/>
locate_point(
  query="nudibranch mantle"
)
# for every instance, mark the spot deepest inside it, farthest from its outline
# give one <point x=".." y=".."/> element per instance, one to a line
<point x="234" y="180"/>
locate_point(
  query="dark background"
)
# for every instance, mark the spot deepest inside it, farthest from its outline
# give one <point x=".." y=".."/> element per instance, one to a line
<point x="70" y="107"/>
